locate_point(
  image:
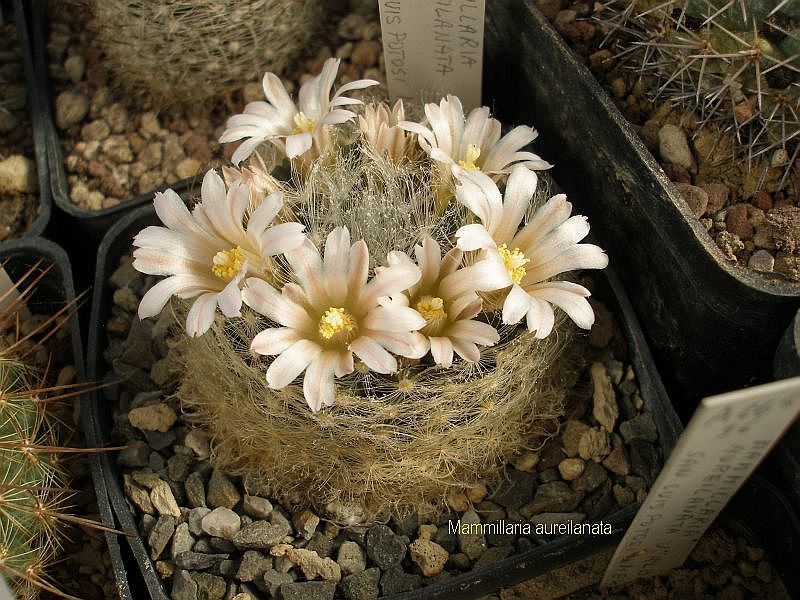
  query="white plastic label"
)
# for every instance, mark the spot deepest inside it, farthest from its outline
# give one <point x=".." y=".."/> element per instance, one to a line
<point x="432" y="48"/>
<point x="727" y="437"/>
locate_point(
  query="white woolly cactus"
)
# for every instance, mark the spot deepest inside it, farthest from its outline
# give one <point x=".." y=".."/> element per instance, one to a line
<point x="373" y="295"/>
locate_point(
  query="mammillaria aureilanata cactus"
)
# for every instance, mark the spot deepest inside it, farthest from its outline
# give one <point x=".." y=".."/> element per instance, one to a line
<point x="398" y="339"/>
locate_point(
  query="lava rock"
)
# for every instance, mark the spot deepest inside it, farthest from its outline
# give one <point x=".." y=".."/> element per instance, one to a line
<point x="384" y="547"/>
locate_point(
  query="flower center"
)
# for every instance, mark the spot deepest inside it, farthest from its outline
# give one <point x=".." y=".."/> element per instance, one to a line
<point x="431" y="308"/>
<point x="228" y="262"/>
<point x="302" y="124"/>
<point x="514" y="261"/>
<point x="470" y="156"/>
<point x="337" y="322"/>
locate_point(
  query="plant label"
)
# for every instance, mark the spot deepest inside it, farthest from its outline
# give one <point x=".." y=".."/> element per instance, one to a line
<point x="725" y="440"/>
<point x="433" y="48"/>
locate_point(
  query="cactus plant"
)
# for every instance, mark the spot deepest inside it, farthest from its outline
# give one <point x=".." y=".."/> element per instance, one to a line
<point x="734" y="63"/>
<point x="33" y="497"/>
<point x="187" y="52"/>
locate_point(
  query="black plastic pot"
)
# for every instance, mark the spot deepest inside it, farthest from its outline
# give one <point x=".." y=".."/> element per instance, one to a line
<point x="712" y="326"/>
<point x="90" y="224"/>
<point x="507" y="572"/>
<point x="54" y="291"/>
<point x="37" y="122"/>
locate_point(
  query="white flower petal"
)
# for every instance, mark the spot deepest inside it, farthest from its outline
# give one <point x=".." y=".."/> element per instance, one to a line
<point x="157" y="296"/>
<point x="307" y="266"/>
<point x="358" y="270"/>
<point x="442" y="351"/>
<point x="335" y="263"/>
<point x="479" y="194"/>
<point x="230" y="298"/>
<point x="429" y="258"/>
<point x="466" y="350"/>
<point x="263" y="216"/>
<point x="409" y="345"/>
<point x="274" y="341"/>
<point x="579" y="256"/>
<point x="546" y="218"/>
<point x="475" y="332"/>
<point x="520" y="188"/>
<point x="201" y="315"/>
<point x="540" y="318"/>
<point x="359" y="84"/>
<point x="474" y="237"/>
<point x="422" y="131"/>
<point x="318" y="383"/>
<point x="394" y="318"/>
<point x="264" y="299"/>
<point x="277" y="95"/>
<point x="291" y="362"/>
<point x="500" y="155"/>
<point x="568" y="296"/>
<point x="246" y="148"/>
<point x="390" y="281"/>
<point x="516" y="305"/>
<point x="485" y="275"/>
<point x="282" y="238"/>
<point x="373" y="355"/>
<point x="298" y="144"/>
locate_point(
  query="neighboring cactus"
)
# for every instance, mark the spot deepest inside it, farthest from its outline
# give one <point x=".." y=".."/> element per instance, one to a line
<point x="32" y="492"/>
<point x="735" y="63"/>
<point x="187" y="52"/>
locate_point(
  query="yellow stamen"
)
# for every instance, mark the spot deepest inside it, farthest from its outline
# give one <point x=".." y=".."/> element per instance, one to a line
<point x="470" y="156"/>
<point x="514" y="261"/>
<point x="228" y="262"/>
<point x="302" y="124"/>
<point x="431" y="308"/>
<point x="336" y="321"/>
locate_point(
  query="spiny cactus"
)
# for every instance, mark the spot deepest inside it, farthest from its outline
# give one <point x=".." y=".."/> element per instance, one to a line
<point x="32" y="493"/>
<point x="187" y="52"/>
<point x="735" y="63"/>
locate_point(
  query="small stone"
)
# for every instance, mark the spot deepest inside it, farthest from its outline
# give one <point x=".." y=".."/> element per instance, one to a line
<point x="149" y="125"/>
<point x="470" y="539"/>
<point x="164" y="500"/>
<point x="117" y="148"/>
<point x="261" y="535"/>
<point x="730" y="244"/>
<point x="592" y="477"/>
<point x="305" y="523"/>
<point x="644" y="459"/>
<point x="197" y="561"/>
<point x="221" y="491"/>
<point x="571" y="468"/>
<point x="526" y="461"/>
<point x="761" y="260"/>
<point x="556" y="496"/>
<point x="274" y="579"/>
<point x="737" y="223"/>
<point x="308" y="590"/>
<point x="199" y="442"/>
<point x="351" y="27"/>
<point x="95" y="131"/>
<point x="160" y="535"/>
<point x="571" y="437"/>
<point x="429" y="556"/>
<point x="674" y="147"/>
<point x="717" y="194"/>
<point x="195" y="520"/>
<point x="154" y="417"/>
<point x="117" y="118"/>
<point x="384" y="547"/>
<point x="75" y="67"/>
<point x="458" y="501"/>
<point x="18" y="175"/>
<point x="754" y="554"/>
<point x="256" y="507"/>
<point x="764" y="571"/>
<point x="715" y="547"/>
<point x="516" y="490"/>
<point x="188" y="167"/>
<point x="696" y="198"/>
<point x="137" y="495"/>
<point x="178" y="467"/>
<point x="594" y="445"/>
<point x="475" y="494"/>
<point x="71" y="108"/>
<point x="183" y="586"/>
<point x="492" y="555"/>
<point x="135" y="455"/>
<point x="253" y="566"/>
<point x="209" y="587"/>
<point x="362" y="585"/>
<point x="366" y="53"/>
<point x="313" y="565"/>
<point x="351" y="558"/>
<point x="762" y="200"/>
<point x="623" y="495"/>
<point x="182" y="541"/>
<point x="195" y="490"/>
<point x="617" y="461"/>
<point x="396" y="581"/>
<point x="605" y="408"/>
<point x="221" y="522"/>
<point x="549" y="8"/>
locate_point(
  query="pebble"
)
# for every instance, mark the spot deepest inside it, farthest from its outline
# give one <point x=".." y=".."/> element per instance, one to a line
<point x="571" y="468"/>
<point x="209" y="587"/>
<point x="221" y="491"/>
<point x="591" y="478"/>
<point x="71" y="108"/>
<point x="221" y="522"/>
<point x="737" y="223"/>
<point x="761" y="260"/>
<point x="696" y="198"/>
<point x="305" y="523"/>
<point x="492" y="555"/>
<point x="261" y="535"/>
<point x="641" y="427"/>
<point x="617" y="461"/>
<point x="396" y="581"/>
<point x="362" y="585"/>
<point x="160" y="535"/>
<point x="365" y="53"/>
<point x="256" y="507"/>
<point x="594" y="445"/>
<point x="384" y="547"/>
<point x="571" y="436"/>
<point x="605" y="408"/>
<point x="313" y="565"/>
<point x="273" y="580"/>
<point x="674" y="147"/>
<point x="308" y="590"/>
<point x="189" y="167"/>
<point x="253" y="566"/>
<point x="182" y="541"/>
<point x="458" y="501"/>
<point x="556" y="496"/>
<point x="194" y="561"/>
<point x="470" y="539"/>
<point x="154" y="417"/>
<point x="351" y="558"/>
<point x="164" y="500"/>
<point x="117" y="148"/>
<point x="516" y="490"/>
<point x="730" y="244"/>
<point x="18" y="175"/>
<point x="75" y="67"/>
<point x="429" y="556"/>
<point x="199" y="442"/>
<point x="135" y="455"/>
<point x="195" y="490"/>
<point x="183" y="586"/>
<point x="526" y="461"/>
<point x="717" y="194"/>
<point x="351" y="27"/>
